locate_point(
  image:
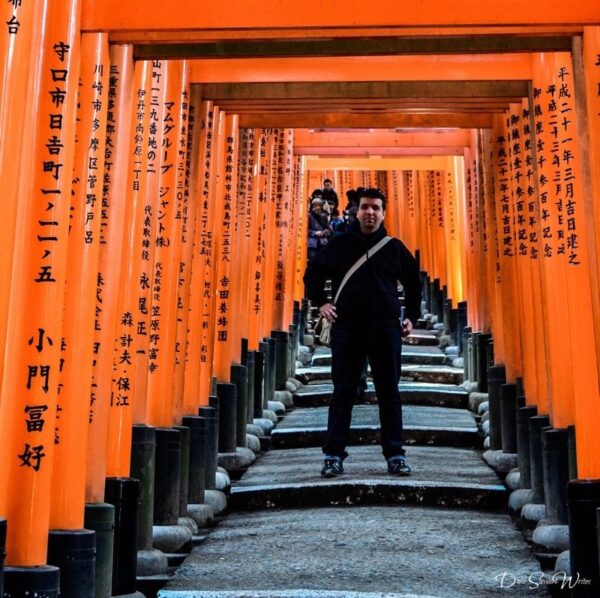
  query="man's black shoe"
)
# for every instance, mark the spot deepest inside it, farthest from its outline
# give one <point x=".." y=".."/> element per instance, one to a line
<point x="398" y="466"/>
<point x="332" y="467"/>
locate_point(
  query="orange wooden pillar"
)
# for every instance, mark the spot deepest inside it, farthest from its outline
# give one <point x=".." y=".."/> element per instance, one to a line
<point x="452" y="237"/>
<point x="506" y="290"/>
<point x="37" y="295"/>
<point x="301" y="249"/>
<point x="208" y="248"/>
<point x="224" y="270"/>
<point x="167" y="241"/>
<point x="188" y="207"/>
<point x="19" y="60"/>
<point x="523" y="195"/>
<point x="587" y="424"/>
<point x="75" y="377"/>
<point x="197" y="352"/>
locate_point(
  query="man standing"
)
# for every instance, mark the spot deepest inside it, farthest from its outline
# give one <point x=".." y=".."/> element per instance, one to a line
<point x="329" y="194"/>
<point x="366" y="323"/>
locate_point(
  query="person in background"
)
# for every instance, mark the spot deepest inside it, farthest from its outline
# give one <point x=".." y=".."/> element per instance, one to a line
<point x="318" y="228"/>
<point x="329" y="195"/>
<point x="337" y="223"/>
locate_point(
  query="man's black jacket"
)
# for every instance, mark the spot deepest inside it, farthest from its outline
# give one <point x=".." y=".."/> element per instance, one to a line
<point x="370" y="297"/>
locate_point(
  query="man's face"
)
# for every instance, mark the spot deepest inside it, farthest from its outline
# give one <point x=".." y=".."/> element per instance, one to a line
<point x="327" y="185"/>
<point x="370" y="214"/>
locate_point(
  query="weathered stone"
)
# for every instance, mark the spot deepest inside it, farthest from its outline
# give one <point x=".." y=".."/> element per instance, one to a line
<point x="484" y="405"/>
<point x="296" y="383"/>
<point x="532" y="514"/>
<point x="476" y="399"/>
<point x="285" y="397"/>
<point x="485" y="428"/>
<point x="217" y="500"/>
<point x="222" y="481"/>
<point x="189" y="523"/>
<point x="151" y="562"/>
<point x="485" y="417"/>
<point x="203" y="514"/>
<point x="552" y="537"/>
<point x="451" y="351"/>
<point x="459" y="362"/>
<point x="486" y="442"/>
<point x="255" y="430"/>
<point x="253" y="443"/>
<point x="500" y="461"/>
<point x="170" y="538"/>
<point x="264" y="423"/>
<point x="513" y="479"/>
<point x="290" y="387"/>
<point x="277" y="407"/>
<point x="518" y="499"/>
<point x="270" y="415"/>
<point x="241" y="459"/>
<point x="563" y="563"/>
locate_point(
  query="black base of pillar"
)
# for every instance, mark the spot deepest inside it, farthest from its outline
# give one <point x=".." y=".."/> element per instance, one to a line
<point x="555" y="458"/>
<point x="496" y="378"/>
<point x="263" y="348"/>
<point x="100" y="517"/>
<point x="257" y="406"/>
<point x="25" y="582"/>
<point x="239" y="377"/>
<point x="482" y="360"/>
<point x="211" y="415"/>
<point x="167" y="476"/>
<point x="124" y="493"/>
<point x="536" y="424"/>
<point x="2" y="552"/>
<point x="281" y="358"/>
<point x="524" y="457"/>
<point x="197" y="458"/>
<point x="74" y="553"/>
<point x="572" y="453"/>
<point x="583" y="502"/>
<point x="184" y="471"/>
<point x="227" y="394"/>
<point x="250" y="363"/>
<point x="461" y="323"/>
<point x="143" y="466"/>
<point x="272" y="369"/>
<point x="508" y="414"/>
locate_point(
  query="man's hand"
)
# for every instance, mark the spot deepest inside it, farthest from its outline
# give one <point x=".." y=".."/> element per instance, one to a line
<point x="407" y="327"/>
<point x="327" y="310"/>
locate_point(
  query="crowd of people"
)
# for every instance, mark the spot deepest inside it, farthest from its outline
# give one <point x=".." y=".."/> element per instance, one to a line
<point x="325" y="220"/>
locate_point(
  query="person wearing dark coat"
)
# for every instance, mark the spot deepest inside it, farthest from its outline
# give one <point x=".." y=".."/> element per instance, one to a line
<point x="329" y="194"/>
<point x="318" y="229"/>
<point x="366" y="324"/>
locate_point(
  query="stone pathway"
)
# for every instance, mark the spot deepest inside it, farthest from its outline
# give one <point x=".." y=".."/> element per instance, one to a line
<point x="442" y="532"/>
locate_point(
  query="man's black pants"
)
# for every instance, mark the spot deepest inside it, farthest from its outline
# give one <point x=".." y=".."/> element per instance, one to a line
<point x="349" y="348"/>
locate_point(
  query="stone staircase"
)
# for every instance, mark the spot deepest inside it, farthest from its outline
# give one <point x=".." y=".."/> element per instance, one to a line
<point x="443" y="531"/>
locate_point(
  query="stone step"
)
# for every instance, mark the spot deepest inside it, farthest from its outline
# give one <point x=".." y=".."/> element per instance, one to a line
<point x="423" y="337"/>
<point x="359" y="552"/>
<point x="438" y="395"/>
<point x="433" y="357"/>
<point x="422" y="425"/>
<point x="441" y="476"/>
<point x="417" y="373"/>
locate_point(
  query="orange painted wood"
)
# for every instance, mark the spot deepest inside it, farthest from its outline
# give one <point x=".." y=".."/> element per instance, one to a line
<point x="363" y="68"/>
<point x="198" y="352"/>
<point x="155" y="15"/>
<point x="226" y="285"/>
<point x="37" y="293"/>
<point x="167" y="240"/>
<point x="75" y="414"/>
<point x="19" y="62"/>
<point x="301" y="246"/>
<point x="188" y="205"/>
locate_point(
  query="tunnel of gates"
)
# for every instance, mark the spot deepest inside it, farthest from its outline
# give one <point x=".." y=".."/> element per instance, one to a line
<point x="155" y="183"/>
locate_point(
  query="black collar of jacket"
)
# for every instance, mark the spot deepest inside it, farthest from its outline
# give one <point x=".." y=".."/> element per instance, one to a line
<point x="369" y="239"/>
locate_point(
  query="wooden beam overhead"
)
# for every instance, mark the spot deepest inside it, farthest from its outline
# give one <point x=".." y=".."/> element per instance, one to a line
<point x="383" y="151"/>
<point x="364" y="89"/>
<point x="328" y="120"/>
<point x="352" y="46"/>
<point x="158" y="15"/>
<point x="363" y="68"/>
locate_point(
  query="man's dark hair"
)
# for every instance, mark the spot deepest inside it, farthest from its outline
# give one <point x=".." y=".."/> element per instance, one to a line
<point x="317" y="192"/>
<point x="371" y="193"/>
<point x="327" y="181"/>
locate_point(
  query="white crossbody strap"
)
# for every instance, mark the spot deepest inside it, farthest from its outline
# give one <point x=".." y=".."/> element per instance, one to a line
<point x="361" y="260"/>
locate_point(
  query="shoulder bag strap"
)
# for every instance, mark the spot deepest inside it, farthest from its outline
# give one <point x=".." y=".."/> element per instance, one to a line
<point x="361" y="260"/>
